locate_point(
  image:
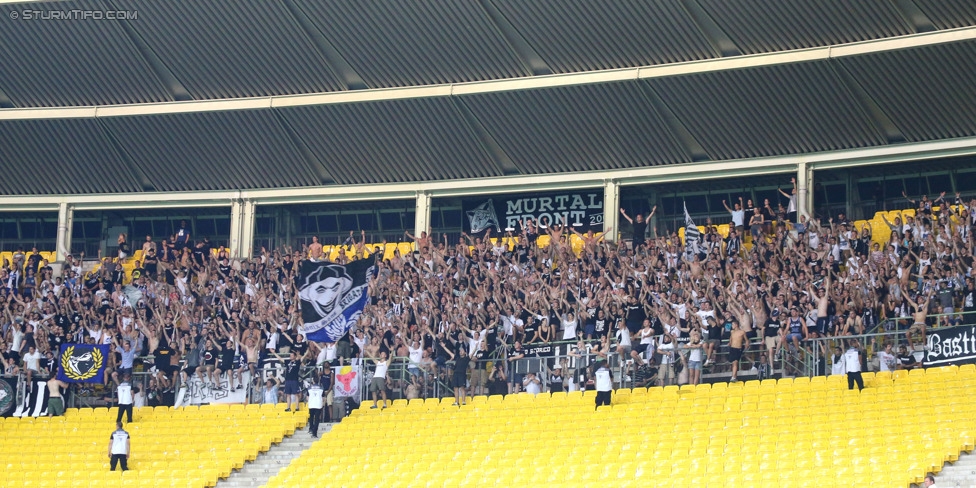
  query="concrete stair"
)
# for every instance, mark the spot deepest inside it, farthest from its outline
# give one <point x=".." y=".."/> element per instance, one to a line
<point x="257" y="472"/>
<point x="960" y="474"/>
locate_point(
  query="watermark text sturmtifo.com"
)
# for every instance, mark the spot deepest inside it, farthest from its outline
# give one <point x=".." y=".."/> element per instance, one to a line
<point x="76" y="14"/>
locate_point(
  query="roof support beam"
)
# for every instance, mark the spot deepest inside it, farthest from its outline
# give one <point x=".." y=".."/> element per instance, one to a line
<point x="130" y="165"/>
<point x="491" y="86"/>
<point x="165" y="75"/>
<point x="914" y="15"/>
<point x="314" y="164"/>
<point x="881" y="120"/>
<point x="498" y="155"/>
<point x="525" y="52"/>
<point x="507" y="184"/>
<point x="678" y="129"/>
<point x="719" y="40"/>
<point x="5" y="101"/>
<point x="336" y="62"/>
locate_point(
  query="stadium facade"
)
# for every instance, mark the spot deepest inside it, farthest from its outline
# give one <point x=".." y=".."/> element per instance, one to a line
<point x="294" y="106"/>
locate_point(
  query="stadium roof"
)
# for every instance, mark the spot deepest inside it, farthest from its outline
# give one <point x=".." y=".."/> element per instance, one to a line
<point x="614" y="116"/>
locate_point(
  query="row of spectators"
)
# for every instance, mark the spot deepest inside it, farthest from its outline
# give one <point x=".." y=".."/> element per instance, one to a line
<point x="649" y="301"/>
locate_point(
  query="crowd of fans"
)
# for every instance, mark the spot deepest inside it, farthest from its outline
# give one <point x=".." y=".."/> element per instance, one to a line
<point x="467" y="311"/>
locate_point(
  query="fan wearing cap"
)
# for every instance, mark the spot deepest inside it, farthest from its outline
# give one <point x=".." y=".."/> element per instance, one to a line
<point x="556" y="380"/>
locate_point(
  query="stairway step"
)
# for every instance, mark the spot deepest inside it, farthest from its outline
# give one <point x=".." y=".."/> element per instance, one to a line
<point x="258" y="472"/>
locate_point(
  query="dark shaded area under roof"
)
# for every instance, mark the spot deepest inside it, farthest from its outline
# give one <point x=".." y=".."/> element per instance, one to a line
<point x="926" y="93"/>
<point x="211" y="49"/>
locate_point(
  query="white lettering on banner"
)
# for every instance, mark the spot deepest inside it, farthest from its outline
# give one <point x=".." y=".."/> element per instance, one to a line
<point x="545" y="204"/>
<point x="336" y="319"/>
<point x="561" y="200"/>
<point x="544" y="211"/>
<point x="513" y="207"/>
<point x="948" y="346"/>
<point x="576" y="210"/>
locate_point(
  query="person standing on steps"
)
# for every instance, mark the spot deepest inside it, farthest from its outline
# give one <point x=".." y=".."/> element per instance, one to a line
<point x="460" y="377"/>
<point x="852" y="365"/>
<point x="604" y="383"/>
<point x="118" y="447"/>
<point x="125" y="400"/>
<point x="316" y="401"/>
<point x="293" y="368"/>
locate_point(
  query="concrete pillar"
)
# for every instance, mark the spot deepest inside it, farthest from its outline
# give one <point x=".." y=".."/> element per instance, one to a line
<point x="422" y="215"/>
<point x="804" y="189"/>
<point x="234" y="242"/>
<point x="248" y="212"/>
<point x="65" y="222"/>
<point x="611" y="209"/>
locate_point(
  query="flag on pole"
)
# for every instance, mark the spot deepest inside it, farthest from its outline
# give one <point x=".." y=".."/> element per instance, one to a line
<point x="692" y="234"/>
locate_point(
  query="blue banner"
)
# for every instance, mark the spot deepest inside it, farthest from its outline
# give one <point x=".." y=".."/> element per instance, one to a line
<point x="82" y="363"/>
<point x="332" y="297"/>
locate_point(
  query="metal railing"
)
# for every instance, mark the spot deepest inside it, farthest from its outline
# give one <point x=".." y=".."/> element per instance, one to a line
<point x="891" y="331"/>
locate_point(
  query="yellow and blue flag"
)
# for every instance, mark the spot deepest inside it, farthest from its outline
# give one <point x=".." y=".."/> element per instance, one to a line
<point x="82" y="363"/>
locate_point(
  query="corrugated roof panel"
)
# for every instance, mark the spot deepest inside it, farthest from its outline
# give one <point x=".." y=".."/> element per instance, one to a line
<point x="778" y="25"/>
<point x="242" y="48"/>
<point x="949" y="14"/>
<point x="401" y="140"/>
<point x="60" y="156"/>
<point x="47" y="62"/>
<point x="401" y="43"/>
<point x="577" y="128"/>
<point x="587" y="35"/>
<point x="929" y="92"/>
<point x="212" y="150"/>
<point x="787" y="109"/>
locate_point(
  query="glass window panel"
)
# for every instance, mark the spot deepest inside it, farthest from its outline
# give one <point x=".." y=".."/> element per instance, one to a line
<point x="367" y="221"/>
<point x="348" y="222"/>
<point x="222" y="225"/>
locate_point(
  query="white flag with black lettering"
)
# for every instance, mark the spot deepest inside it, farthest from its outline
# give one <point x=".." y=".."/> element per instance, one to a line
<point x="35" y="400"/>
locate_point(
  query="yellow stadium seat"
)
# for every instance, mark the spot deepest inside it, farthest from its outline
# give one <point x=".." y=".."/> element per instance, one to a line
<point x="171" y="447"/>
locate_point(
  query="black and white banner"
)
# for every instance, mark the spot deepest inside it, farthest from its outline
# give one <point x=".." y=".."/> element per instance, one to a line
<point x="582" y="210"/>
<point x="540" y="350"/>
<point x="197" y="392"/>
<point x="8" y="396"/>
<point x="35" y="401"/>
<point x="951" y="345"/>
<point x="332" y="297"/>
<point x="692" y="234"/>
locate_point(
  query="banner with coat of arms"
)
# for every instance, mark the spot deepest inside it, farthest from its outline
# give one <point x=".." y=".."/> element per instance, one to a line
<point x="347" y="382"/>
<point x="8" y="396"/>
<point x="82" y="363"/>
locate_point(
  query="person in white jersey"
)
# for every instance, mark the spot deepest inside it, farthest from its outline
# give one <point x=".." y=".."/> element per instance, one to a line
<point x="118" y="448"/>
<point x="378" y="385"/>
<point x="604" y="383"/>
<point x="852" y="364"/>
<point x="124" y="392"/>
<point x="316" y="400"/>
